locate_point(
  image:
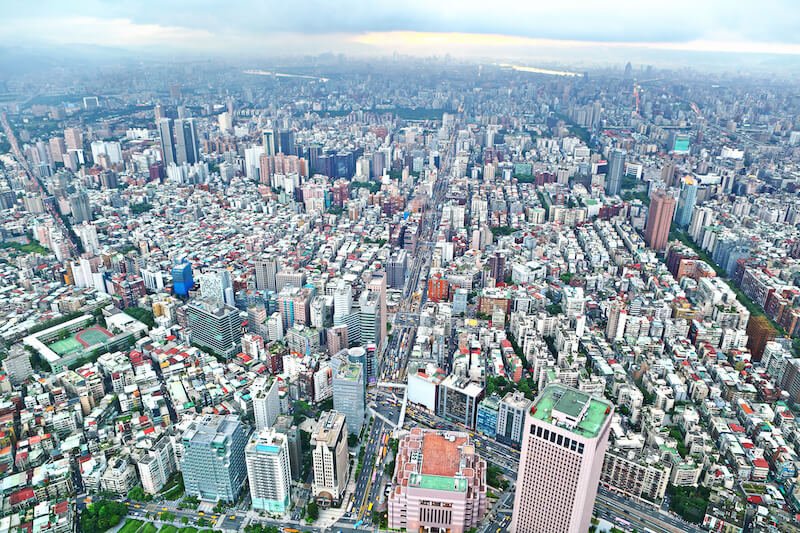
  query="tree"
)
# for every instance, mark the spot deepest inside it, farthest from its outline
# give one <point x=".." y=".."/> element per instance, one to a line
<point x="102" y="515"/>
<point x="312" y="510"/>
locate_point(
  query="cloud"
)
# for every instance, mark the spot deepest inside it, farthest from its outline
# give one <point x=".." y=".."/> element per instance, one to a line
<point x="117" y="32"/>
<point x="232" y="26"/>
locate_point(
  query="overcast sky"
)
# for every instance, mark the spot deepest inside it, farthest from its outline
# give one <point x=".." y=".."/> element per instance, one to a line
<point x="425" y="27"/>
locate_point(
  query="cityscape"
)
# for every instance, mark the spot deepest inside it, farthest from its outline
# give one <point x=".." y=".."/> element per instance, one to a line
<point x="423" y="267"/>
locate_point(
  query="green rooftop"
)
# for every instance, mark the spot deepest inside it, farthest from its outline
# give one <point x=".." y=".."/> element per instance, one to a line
<point x="426" y="481"/>
<point x="572" y="409"/>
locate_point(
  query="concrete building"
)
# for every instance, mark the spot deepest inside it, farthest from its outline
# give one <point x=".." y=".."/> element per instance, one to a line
<point x="458" y="400"/>
<point x="350" y="394"/>
<point x="616" y="168"/>
<point x="564" y="442"/>
<point x="439" y="483"/>
<point x="266" y="401"/>
<point x="659" y="220"/>
<point x="156" y="461"/>
<point x="511" y="417"/>
<point x="269" y="471"/>
<point x="215" y="327"/>
<point x="213" y="460"/>
<point x="331" y="458"/>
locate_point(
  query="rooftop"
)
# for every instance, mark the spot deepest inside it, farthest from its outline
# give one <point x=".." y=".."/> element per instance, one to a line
<point x="572" y="409"/>
<point x="455" y="484"/>
<point x="441" y="454"/>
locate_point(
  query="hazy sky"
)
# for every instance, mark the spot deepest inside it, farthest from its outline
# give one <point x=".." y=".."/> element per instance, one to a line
<point x="426" y="27"/>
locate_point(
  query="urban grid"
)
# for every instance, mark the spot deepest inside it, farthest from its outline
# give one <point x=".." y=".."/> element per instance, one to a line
<point x="428" y="291"/>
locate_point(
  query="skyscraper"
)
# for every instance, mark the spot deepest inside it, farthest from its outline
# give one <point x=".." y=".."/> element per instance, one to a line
<point x="213" y="462"/>
<point x="80" y="207"/>
<point x="269" y="471"/>
<point x="265" y="270"/>
<point x="659" y="219"/>
<point x="563" y="445"/>
<point x="616" y="169"/>
<point x="187" y="145"/>
<point x="269" y="142"/>
<point x="331" y="459"/>
<point x="686" y="202"/>
<point x="182" y="280"/>
<point x="166" y="130"/>
<point x="350" y="393"/>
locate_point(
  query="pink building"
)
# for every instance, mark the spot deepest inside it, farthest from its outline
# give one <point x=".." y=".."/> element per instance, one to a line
<point x="564" y="442"/>
<point x="439" y="483"/>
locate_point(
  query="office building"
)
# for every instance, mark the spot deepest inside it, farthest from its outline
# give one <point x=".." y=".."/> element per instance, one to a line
<point x="216" y="287"/>
<point x="396" y="269"/>
<point x="488" y="411"/>
<point x="439" y="483"/>
<point x="564" y="442"/>
<point x="269" y="471"/>
<point x="659" y="220"/>
<point x="213" y="460"/>
<point x="616" y="169"/>
<point x="511" y="418"/>
<point x="286" y="426"/>
<point x="73" y="138"/>
<point x="294" y="306"/>
<point x="266" y="401"/>
<point x="187" y="144"/>
<point x="458" y="400"/>
<point x="80" y="207"/>
<point x="166" y="130"/>
<point x="686" y="202"/>
<point x="268" y="137"/>
<point x="266" y="270"/>
<point x="182" y="280"/>
<point x="350" y="393"/>
<point x="216" y="327"/>
<point x="331" y="458"/>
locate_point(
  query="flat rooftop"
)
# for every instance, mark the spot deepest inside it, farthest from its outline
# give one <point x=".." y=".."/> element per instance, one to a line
<point x="441" y="455"/>
<point x="572" y="409"/>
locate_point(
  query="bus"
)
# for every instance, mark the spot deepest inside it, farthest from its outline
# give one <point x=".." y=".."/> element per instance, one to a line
<point x="369" y="509"/>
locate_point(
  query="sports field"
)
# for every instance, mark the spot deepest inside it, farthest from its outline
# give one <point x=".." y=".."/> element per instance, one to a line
<point x="80" y="340"/>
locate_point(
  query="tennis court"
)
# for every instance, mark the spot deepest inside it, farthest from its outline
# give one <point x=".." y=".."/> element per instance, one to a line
<point x="81" y="340"/>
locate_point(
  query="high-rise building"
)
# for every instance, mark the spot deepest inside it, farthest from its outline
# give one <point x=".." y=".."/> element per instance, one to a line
<point x="686" y="202"/>
<point x="350" y="393"/>
<point x="187" y="144"/>
<point x="294" y="306"/>
<point x="659" y="220"/>
<point x="217" y="286"/>
<point x="266" y="401"/>
<point x="616" y="169"/>
<point x="182" y="280"/>
<point x="265" y="270"/>
<point x="216" y="327"/>
<point x="155" y="461"/>
<point x="331" y="458"/>
<point x="286" y="142"/>
<point x="80" y="207"/>
<point x="166" y="130"/>
<point x="396" y="269"/>
<point x="439" y="483"/>
<point x="563" y="445"/>
<point x="213" y="460"/>
<point x="458" y="400"/>
<point x="73" y="137"/>
<point x="269" y="471"/>
<point x="511" y="417"/>
<point x="268" y="137"/>
<point x="286" y="426"/>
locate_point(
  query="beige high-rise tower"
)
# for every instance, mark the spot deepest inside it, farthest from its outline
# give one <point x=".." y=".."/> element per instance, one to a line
<point x="563" y="446"/>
